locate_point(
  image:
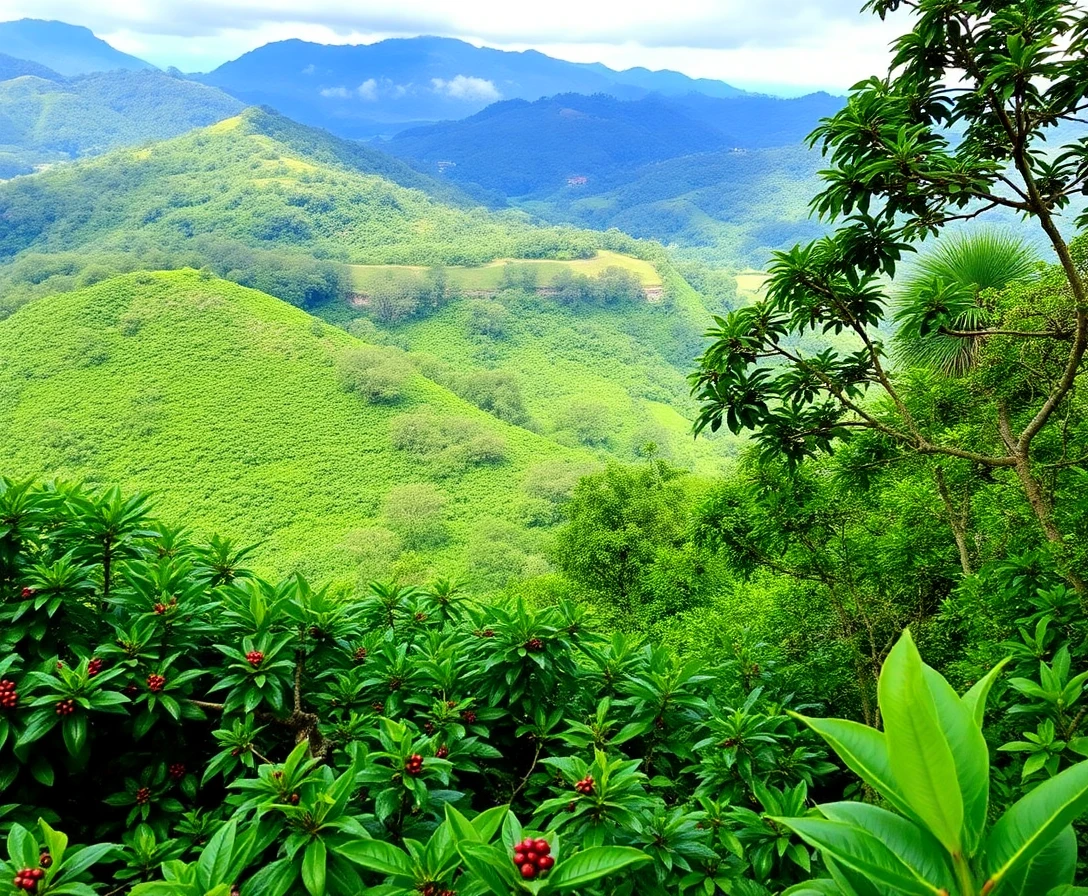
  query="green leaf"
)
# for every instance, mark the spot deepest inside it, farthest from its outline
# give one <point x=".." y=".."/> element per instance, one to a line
<point x="592" y="864"/>
<point x="491" y="865"/>
<point x="313" y="867"/>
<point x="915" y="846"/>
<point x="863" y="852"/>
<point x="1030" y="825"/>
<point x="1054" y="867"/>
<point x="378" y="856"/>
<point x="82" y="859"/>
<point x="40" y="724"/>
<point x="918" y="749"/>
<point x="865" y="752"/>
<point x="487" y="823"/>
<point x="74" y="729"/>
<point x="975" y="699"/>
<point x="22" y="850"/>
<point x="969" y="752"/>
<point x="215" y="858"/>
<point x="273" y="880"/>
<point x="820" y="887"/>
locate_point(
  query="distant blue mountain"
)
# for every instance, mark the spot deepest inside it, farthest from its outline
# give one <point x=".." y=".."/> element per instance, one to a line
<point x="67" y="49"/>
<point x="522" y="149"/>
<point x="382" y="88"/>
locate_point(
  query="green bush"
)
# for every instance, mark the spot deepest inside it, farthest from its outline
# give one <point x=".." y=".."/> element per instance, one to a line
<point x="377" y="374"/>
<point x="417" y="512"/>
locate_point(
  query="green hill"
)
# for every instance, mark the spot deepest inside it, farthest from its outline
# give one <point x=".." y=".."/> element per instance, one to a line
<point x="228" y="404"/>
<point x="46" y="119"/>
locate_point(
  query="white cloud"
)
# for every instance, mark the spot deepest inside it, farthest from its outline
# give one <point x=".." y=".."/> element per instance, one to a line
<point x="341" y="93"/>
<point x="463" y="87"/>
<point x="368" y="90"/>
<point x="309" y="70"/>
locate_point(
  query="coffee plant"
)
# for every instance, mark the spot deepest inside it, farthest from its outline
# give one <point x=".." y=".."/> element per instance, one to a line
<point x="203" y="731"/>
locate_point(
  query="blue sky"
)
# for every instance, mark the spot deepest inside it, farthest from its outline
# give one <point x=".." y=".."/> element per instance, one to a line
<point x="787" y="46"/>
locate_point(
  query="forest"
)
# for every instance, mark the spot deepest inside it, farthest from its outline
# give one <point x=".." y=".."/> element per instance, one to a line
<point x="365" y="529"/>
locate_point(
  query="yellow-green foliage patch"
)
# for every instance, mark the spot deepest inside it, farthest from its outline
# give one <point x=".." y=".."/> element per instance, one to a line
<point x="489" y="277"/>
<point x="226" y="404"/>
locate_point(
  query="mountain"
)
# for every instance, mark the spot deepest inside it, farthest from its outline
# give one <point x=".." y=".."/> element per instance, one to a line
<point x="381" y="88"/>
<point x="10" y="67"/>
<point x="518" y="148"/>
<point x="267" y="182"/>
<point x="53" y="119"/>
<point x="227" y="402"/>
<point x="67" y="49"/>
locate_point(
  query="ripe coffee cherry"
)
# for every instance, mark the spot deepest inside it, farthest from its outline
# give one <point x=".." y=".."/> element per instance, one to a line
<point x="177" y="771"/>
<point x="469" y="716"/>
<point x="45" y="860"/>
<point x="442" y="752"/>
<point x="28" y="878"/>
<point x="585" y="786"/>
<point x="155" y="683"/>
<point x="413" y="765"/>
<point x="143" y="796"/>
<point x="294" y="799"/>
<point x="9" y="697"/>
<point x="542" y="846"/>
<point x="450" y="704"/>
<point x="428" y="727"/>
<point x="66" y="707"/>
<point x="254" y="658"/>
<point x="94" y="667"/>
<point x="159" y="609"/>
<point x="489" y="633"/>
<point x="421" y="617"/>
<point x="28" y="592"/>
<point x="545" y="862"/>
<point x="360" y="655"/>
<point x="377" y="707"/>
<point x="534" y="645"/>
<point x="528" y="871"/>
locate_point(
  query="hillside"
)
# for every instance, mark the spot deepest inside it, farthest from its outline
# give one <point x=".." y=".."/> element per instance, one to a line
<point x="226" y="404"/>
<point x="381" y="88"/>
<point x="67" y="49"/>
<point x="519" y="148"/>
<point x="263" y="182"/>
<point x="10" y="67"/>
<point x="48" y="120"/>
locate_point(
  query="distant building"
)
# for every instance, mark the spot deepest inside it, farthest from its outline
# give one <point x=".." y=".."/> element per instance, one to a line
<point x="579" y="180"/>
<point x="444" y="166"/>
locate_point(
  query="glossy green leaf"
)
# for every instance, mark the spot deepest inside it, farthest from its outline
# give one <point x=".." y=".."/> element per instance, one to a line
<point x="864" y="750"/>
<point x="313" y="867"/>
<point x="1030" y="825"/>
<point x="274" y="879"/>
<point x="592" y="864"/>
<point x="377" y="855"/>
<point x="920" y="756"/>
<point x="863" y="852"/>
<point x="975" y="699"/>
<point x="1054" y="867"/>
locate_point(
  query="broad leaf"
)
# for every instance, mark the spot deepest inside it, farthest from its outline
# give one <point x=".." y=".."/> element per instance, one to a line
<point x="920" y="756"/>
<point x="1030" y="825"/>
<point x="379" y="856"/>
<point x="592" y="864"/>
<point x="975" y="699"/>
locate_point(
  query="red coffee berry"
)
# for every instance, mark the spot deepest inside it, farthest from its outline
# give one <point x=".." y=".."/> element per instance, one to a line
<point x="159" y="609"/>
<point x="442" y="752"/>
<point x="360" y="655"/>
<point x="585" y="786"/>
<point x="545" y="862"/>
<point x="428" y="727"/>
<point x="542" y="846"/>
<point x="28" y="592"/>
<point x="9" y="697"/>
<point x="294" y="799"/>
<point x="255" y="658"/>
<point x="177" y="771"/>
<point x="469" y="716"/>
<point x="155" y="683"/>
<point x="450" y="704"/>
<point x="421" y="617"/>
<point x="489" y="633"/>
<point x="45" y="860"/>
<point x="534" y="645"/>
<point x="143" y="796"/>
<point x="66" y="707"/>
<point x="528" y="871"/>
<point x="94" y="667"/>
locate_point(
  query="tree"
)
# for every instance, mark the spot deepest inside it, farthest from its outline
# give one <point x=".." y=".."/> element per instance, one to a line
<point x="952" y="133"/>
<point x="378" y="374"/>
<point x="417" y="512"/>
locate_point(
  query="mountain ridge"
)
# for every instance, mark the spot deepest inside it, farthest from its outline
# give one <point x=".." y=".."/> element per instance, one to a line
<point x="67" y="49"/>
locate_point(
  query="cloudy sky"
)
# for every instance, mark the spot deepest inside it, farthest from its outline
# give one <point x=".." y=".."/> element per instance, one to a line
<point x="782" y="45"/>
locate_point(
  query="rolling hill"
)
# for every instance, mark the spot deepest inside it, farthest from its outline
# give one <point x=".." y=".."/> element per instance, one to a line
<point x="10" y="67"/>
<point x="67" y="49"/>
<point x="54" y="119"/>
<point x="263" y="181"/>
<point x="381" y="88"/>
<point x="226" y="403"/>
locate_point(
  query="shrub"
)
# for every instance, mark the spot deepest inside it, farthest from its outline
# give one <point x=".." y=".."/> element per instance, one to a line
<point x="590" y="422"/>
<point x="375" y="373"/>
<point x="417" y="512"/>
<point x="489" y="319"/>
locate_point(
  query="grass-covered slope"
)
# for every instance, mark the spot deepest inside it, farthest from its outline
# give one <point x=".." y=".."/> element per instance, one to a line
<point x="227" y="404"/>
<point x="46" y="119"/>
<point x="247" y="179"/>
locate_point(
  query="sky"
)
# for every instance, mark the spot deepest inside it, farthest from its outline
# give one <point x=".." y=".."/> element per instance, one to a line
<point x="782" y="46"/>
